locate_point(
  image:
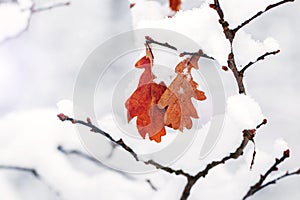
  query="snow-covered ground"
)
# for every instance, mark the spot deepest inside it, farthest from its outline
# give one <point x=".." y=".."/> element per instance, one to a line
<point x="38" y="69"/>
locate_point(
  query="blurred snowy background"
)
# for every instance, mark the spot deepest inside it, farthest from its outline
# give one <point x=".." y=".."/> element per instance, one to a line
<point x="41" y="55"/>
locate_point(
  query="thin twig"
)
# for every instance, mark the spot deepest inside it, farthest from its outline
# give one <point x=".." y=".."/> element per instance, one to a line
<point x="83" y="155"/>
<point x="149" y="40"/>
<point x="34" y="173"/>
<point x="196" y="53"/>
<point x="247" y="136"/>
<point x="269" y="7"/>
<point x="50" y="7"/>
<point x="151" y="184"/>
<point x="287" y="174"/>
<point x="34" y="10"/>
<point x="262" y="57"/>
<point x="259" y="185"/>
<point x="89" y="158"/>
<point x="191" y="180"/>
<point x="121" y="143"/>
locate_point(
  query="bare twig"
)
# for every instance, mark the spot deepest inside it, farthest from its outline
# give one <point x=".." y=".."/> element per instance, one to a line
<point x="229" y="34"/>
<point x="121" y="143"/>
<point x="200" y="53"/>
<point x="151" y="184"/>
<point x="50" y="7"/>
<point x="149" y="40"/>
<point x="248" y="135"/>
<point x="33" y="9"/>
<point x="98" y="163"/>
<point x="269" y="7"/>
<point x="34" y="173"/>
<point x="83" y="155"/>
<point x="262" y="57"/>
<point x="259" y="185"/>
<point x="22" y="169"/>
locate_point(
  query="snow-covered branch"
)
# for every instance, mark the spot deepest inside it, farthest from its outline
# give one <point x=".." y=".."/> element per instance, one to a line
<point x="248" y="134"/>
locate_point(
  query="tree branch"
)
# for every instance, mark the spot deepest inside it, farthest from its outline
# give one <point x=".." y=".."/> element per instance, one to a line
<point x="149" y="40"/>
<point x="33" y="10"/>
<point x="269" y="7"/>
<point x="262" y="57"/>
<point x="200" y="53"/>
<point x="248" y="135"/>
<point x="122" y="144"/>
<point x="50" y="7"/>
<point x="259" y="185"/>
<point x="34" y="173"/>
<point x="83" y="155"/>
<point x="230" y="34"/>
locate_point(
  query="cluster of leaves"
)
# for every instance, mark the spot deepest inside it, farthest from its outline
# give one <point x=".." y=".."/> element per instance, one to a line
<point x="156" y="105"/>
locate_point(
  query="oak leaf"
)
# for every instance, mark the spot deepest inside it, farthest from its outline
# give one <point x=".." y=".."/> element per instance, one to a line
<point x="143" y="102"/>
<point x="175" y="5"/>
<point x="177" y="97"/>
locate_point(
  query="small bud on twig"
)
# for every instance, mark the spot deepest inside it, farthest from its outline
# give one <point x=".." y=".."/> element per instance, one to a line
<point x="225" y="68"/>
<point x="286" y="153"/>
<point x="213" y="6"/>
<point x="88" y="120"/>
<point x="62" y="117"/>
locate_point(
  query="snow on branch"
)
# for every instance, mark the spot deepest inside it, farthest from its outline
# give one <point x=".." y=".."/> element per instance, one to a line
<point x="248" y="134"/>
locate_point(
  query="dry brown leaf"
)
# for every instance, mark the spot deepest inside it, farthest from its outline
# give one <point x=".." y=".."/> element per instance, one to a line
<point x="177" y="98"/>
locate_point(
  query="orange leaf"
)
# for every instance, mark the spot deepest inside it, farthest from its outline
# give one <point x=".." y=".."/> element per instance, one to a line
<point x="175" y="5"/>
<point x="142" y="103"/>
<point x="177" y="98"/>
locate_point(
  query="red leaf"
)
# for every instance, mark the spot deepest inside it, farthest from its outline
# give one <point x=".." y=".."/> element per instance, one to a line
<point x="142" y="103"/>
<point x="175" y="5"/>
